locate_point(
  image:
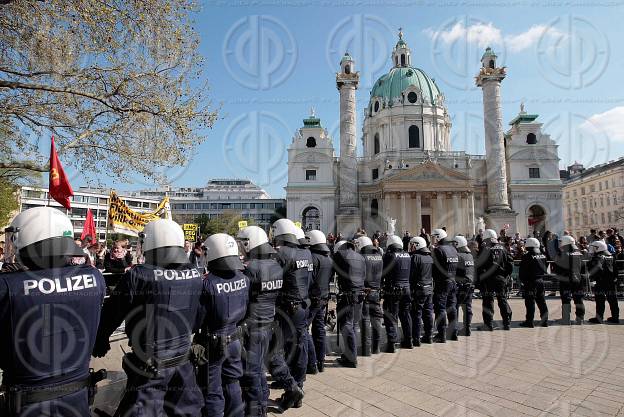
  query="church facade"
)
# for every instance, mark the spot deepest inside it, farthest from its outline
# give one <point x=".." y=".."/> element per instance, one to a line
<point x="409" y="175"/>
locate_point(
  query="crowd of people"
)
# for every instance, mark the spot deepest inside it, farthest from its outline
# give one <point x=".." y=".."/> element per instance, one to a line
<point x="206" y="322"/>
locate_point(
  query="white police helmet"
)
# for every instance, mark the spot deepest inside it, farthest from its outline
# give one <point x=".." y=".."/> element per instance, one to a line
<point x="362" y="242"/>
<point x="598" y="246"/>
<point x="567" y="240"/>
<point x="490" y="234"/>
<point x="44" y="232"/>
<point x="301" y="236"/>
<point x="418" y="243"/>
<point x="285" y="230"/>
<point x="317" y="240"/>
<point x="532" y="243"/>
<point x="222" y="252"/>
<point x="162" y="233"/>
<point x="339" y="244"/>
<point x="252" y="237"/>
<point x="439" y="234"/>
<point x="394" y="240"/>
<point x="460" y="241"/>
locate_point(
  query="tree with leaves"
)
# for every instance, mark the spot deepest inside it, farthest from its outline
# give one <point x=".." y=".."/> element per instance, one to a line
<point x="226" y="222"/>
<point x="117" y="82"/>
<point x="8" y="202"/>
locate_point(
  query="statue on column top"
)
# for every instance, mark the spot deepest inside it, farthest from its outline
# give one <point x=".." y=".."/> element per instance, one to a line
<point x="391" y="226"/>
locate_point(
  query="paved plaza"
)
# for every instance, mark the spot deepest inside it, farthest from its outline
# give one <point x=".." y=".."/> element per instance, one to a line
<point x="554" y="371"/>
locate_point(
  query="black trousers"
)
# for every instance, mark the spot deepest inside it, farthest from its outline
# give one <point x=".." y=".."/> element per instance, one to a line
<point x="464" y="300"/>
<point x="534" y="293"/>
<point x="422" y="315"/>
<point x="573" y="291"/>
<point x="397" y="306"/>
<point x="606" y="293"/>
<point x="495" y="288"/>
<point x="370" y="329"/>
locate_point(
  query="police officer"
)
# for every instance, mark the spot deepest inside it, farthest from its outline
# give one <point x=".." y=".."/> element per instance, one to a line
<point x="224" y="300"/>
<point x="350" y="269"/>
<point x="49" y="313"/>
<point x="445" y="261"/>
<point x="397" y="298"/>
<point x="371" y="309"/>
<point x="494" y="266"/>
<point x="533" y="267"/>
<point x="159" y="301"/>
<point x="322" y="276"/>
<point x="602" y="270"/>
<point x="293" y="301"/>
<point x="265" y="277"/>
<point x="569" y="269"/>
<point x="464" y="279"/>
<point x="421" y="285"/>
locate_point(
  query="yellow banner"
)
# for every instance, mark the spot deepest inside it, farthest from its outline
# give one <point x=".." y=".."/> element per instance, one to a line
<point x="122" y="219"/>
<point x="242" y="224"/>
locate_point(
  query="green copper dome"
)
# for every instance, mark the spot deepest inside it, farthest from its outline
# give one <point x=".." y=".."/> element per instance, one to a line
<point x="398" y="79"/>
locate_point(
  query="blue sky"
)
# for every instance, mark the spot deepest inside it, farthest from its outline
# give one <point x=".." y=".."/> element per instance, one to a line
<point x="267" y="65"/>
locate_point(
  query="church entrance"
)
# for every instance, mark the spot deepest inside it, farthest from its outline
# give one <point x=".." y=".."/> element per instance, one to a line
<point x="537" y="220"/>
<point x="425" y="221"/>
<point x="311" y="219"/>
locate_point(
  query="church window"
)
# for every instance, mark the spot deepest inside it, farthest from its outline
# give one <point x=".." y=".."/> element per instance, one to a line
<point x="311" y="142"/>
<point x="534" y="173"/>
<point x="531" y="139"/>
<point x="491" y="65"/>
<point x="311" y="218"/>
<point x="376" y="144"/>
<point x="374" y="208"/>
<point x="375" y="173"/>
<point x="412" y="97"/>
<point x="347" y="69"/>
<point x="402" y="60"/>
<point x="414" y="137"/>
<point x="376" y="106"/>
<point x="310" y="175"/>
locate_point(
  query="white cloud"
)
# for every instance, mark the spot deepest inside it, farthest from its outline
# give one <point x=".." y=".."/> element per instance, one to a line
<point x="609" y="124"/>
<point x="486" y="34"/>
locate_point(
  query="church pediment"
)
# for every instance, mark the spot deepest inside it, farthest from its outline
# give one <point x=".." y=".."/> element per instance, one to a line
<point x="428" y="171"/>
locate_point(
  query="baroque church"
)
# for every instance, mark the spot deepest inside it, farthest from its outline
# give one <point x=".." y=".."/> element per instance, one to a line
<point x="408" y="176"/>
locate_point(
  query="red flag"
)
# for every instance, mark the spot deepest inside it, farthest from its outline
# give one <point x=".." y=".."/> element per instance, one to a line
<point x="89" y="227"/>
<point x="60" y="189"/>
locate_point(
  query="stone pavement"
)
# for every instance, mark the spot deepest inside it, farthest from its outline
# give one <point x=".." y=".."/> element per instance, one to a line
<point x="555" y="371"/>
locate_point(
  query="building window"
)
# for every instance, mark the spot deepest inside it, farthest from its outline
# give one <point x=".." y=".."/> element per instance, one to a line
<point x="374" y="208"/>
<point x="414" y="137"/>
<point x="602" y="218"/>
<point x="412" y="97"/>
<point x="491" y="63"/>
<point x="311" y="142"/>
<point x="311" y="219"/>
<point x="376" y="144"/>
<point x="534" y="173"/>
<point x="376" y="106"/>
<point x="402" y="60"/>
<point x="310" y="175"/>
<point x="348" y="69"/>
<point x="531" y="139"/>
<point x="375" y="173"/>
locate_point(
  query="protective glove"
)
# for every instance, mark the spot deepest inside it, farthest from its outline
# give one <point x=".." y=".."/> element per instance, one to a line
<point x="100" y="349"/>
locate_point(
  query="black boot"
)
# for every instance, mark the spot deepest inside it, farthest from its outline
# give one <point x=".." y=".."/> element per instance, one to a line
<point x="595" y="320"/>
<point x="453" y="336"/>
<point x="290" y="398"/>
<point x="366" y="350"/>
<point x="346" y="363"/>
<point x="467" y="331"/>
<point x="613" y="320"/>
<point x="407" y="345"/>
<point x="416" y="342"/>
<point x="527" y="324"/>
<point x="375" y="349"/>
<point x="312" y="369"/>
<point x="426" y="339"/>
<point x="320" y="366"/>
<point x="390" y="348"/>
<point x="440" y="337"/>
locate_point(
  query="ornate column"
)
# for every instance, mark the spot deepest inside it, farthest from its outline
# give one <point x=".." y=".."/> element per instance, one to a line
<point x="403" y="222"/>
<point x="417" y="212"/>
<point x="456" y="213"/>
